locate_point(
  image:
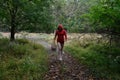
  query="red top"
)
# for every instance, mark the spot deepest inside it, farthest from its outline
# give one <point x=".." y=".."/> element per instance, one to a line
<point x="61" y="35"/>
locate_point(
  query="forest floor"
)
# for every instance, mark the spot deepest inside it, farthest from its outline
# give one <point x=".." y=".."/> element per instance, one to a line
<point x="67" y="69"/>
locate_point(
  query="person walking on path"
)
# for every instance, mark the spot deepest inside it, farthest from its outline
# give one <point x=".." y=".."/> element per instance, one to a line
<point x="60" y="37"/>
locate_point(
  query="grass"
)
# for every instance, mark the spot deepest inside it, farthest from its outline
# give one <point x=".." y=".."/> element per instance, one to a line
<point x="103" y="61"/>
<point x="22" y="60"/>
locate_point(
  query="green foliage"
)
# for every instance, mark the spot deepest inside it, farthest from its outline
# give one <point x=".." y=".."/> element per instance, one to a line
<point x="3" y="43"/>
<point x="69" y="12"/>
<point x="32" y="16"/>
<point x="103" y="61"/>
<point x="45" y="15"/>
<point x="22" y="41"/>
<point x="105" y="16"/>
<point x="21" y="61"/>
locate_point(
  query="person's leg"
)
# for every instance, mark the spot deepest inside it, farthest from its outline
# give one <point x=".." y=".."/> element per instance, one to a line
<point x="58" y="47"/>
<point x="61" y="50"/>
<point x="62" y="45"/>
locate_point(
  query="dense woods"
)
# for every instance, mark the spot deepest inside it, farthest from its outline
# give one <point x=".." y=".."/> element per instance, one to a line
<point x="93" y="28"/>
<point x="31" y="16"/>
<point x="76" y="16"/>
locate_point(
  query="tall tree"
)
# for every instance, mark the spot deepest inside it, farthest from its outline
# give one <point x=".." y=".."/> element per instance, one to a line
<point x="10" y="10"/>
<point x="31" y="15"/>
<point x="105" y="18"/>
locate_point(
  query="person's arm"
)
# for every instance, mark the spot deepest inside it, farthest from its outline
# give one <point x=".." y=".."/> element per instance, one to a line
<point x="55" y="35"/>
<point x="65" y="36"/>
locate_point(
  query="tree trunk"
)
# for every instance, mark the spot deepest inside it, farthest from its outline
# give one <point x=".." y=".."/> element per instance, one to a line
<point x="13" y="13"/>
<point x="12" y="37"/>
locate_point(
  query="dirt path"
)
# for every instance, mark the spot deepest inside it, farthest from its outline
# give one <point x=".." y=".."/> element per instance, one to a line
<point x="67" y="69"/>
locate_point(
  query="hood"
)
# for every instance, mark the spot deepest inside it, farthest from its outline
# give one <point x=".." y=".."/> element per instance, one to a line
<point x="60" y="26"/>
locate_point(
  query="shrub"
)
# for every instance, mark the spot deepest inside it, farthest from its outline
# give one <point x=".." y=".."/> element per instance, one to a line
<point x="104" y="61"/>
<point x="20" y="61"/>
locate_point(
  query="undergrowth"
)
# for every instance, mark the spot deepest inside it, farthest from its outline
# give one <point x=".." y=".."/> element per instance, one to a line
<point x="103" y="60"/>
<point x="22" y="60"/>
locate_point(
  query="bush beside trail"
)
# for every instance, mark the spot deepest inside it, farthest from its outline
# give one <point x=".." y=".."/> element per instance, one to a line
<point x="22" y="60"/>
<point x="103" y="60"/>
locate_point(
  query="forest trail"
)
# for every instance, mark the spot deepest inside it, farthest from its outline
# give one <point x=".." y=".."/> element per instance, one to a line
<point x="67" y="69"/>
